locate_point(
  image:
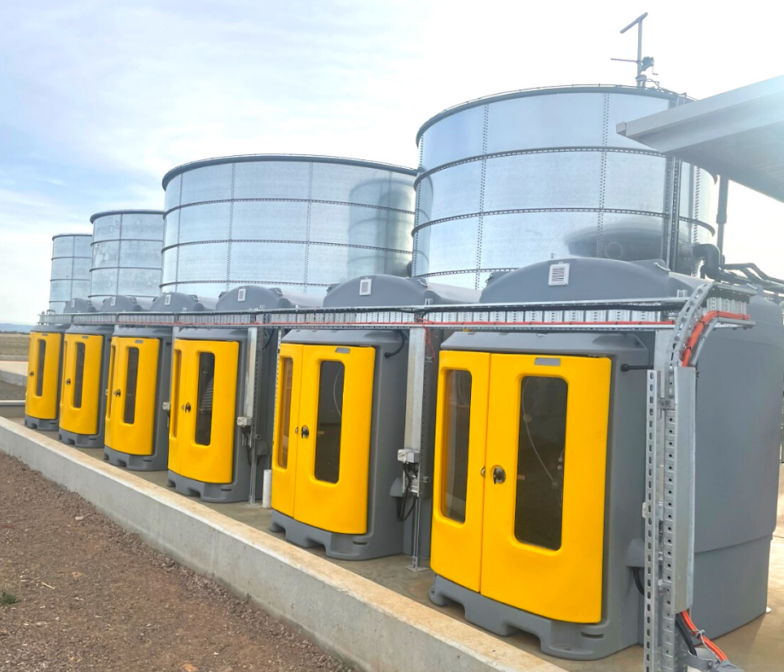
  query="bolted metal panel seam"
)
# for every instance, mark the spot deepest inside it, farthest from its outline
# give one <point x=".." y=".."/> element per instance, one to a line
<point x="602" y="178"/>
<point x="547" y="91"/>
<point x="483" y="181"/>
<point x="288" y="200"/>
<point x="535" y="150"/>
<point x="289" y="242"/>
<point x="307" y="229"/>
<point x="240" y="281"/>
<point x="417" y="209"/>
<point x="231" y="227"/>
<point x="273" y="158"/>
<point x="116" y="240"/>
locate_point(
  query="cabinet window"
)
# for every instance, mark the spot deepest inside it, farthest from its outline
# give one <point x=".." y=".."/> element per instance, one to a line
<point x="78" y="376"/>
<point x="39" y="383"/>
<point x="457" y="422"/>
<point x="330" y="421"/>
<point x="205" y="398"/>
<point x="131" y="376"/>
<point x="286" y="378"/>
<point x="540" y="461"/>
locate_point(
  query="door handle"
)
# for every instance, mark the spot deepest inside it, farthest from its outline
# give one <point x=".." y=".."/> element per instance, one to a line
<point x="305" y="432"/>
<point x="67" y="381"/>
<point x="499" y="475"/>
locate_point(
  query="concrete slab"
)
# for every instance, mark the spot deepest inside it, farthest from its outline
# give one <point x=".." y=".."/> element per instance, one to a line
<point x="363" y="622"/>
<point x="13" y="372"/>
<point x="759" y="646"/>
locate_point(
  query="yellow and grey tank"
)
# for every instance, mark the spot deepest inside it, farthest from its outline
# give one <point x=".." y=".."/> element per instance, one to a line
<point x="527" y="176"/>
<point x="126" y="254"/>
<point x="70" y="277"/>
<point x="298" y="222"/>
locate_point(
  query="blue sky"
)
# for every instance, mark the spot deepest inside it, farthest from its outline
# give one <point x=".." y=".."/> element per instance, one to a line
<point x="99" y="99"/>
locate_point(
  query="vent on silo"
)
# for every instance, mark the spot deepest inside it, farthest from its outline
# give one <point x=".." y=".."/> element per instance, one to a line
<point x="559" y="274"/>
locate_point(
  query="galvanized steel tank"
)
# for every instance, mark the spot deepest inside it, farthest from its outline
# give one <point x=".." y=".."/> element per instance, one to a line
<point x="126" y="253"/>
<point x="298" y="222"/>
<point x="70" y="278"/>
<point x="523" y="177"/>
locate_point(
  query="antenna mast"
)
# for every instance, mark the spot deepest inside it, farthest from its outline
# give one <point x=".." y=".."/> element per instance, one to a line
<point x="643" y="62"/>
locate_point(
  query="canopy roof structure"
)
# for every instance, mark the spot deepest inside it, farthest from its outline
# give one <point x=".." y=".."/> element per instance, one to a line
<point x="738" y="134"/>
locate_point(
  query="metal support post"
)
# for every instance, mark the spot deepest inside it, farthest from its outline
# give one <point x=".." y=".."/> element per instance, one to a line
<point x="248" y="422"/>
<point x="721" y="214"/>
<point x="669" y="491"/>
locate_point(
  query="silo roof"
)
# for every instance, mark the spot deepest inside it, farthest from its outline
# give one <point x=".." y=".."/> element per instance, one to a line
<point x="108" y="213"/>
<point x="548" y="90"/>
<point x="309" y="158"/>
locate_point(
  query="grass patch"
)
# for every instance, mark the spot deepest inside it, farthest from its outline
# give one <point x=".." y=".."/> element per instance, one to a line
<point x="8" y="598"/>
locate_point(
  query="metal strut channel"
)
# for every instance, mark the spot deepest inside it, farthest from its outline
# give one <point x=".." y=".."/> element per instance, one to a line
<point x="669" y="490"/>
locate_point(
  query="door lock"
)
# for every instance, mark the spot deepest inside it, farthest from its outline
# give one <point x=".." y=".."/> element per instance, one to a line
<point x="67" y="381"/>
<point x="32" y="373"/>
<point x="305" y="432"/>
<point x="117" y="393"/>
<point x="186" y="407"/>
<point x="499" y="475"/>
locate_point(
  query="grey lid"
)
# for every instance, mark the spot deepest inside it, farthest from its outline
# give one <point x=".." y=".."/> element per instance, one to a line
<point x="81" y="306"/>
<point x="178" y="302"/>
<point x="108" y="213"/>
<point x="586" y="279"/>
<point x="391" y="290"/>
<point x="254" y="297"/>
<point x="307" y="158"/>
<point x="124" y="304"/>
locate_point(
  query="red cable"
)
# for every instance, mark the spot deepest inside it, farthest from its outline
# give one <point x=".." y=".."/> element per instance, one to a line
<point x="696" y="633"/>
<point x="688" y="351"/>
<point x="705" y="320"/>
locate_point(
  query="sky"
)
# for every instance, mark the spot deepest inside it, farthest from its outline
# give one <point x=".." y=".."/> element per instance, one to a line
<point x="98" y="99"/>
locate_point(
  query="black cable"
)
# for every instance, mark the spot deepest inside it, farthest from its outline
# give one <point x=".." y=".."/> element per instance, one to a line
<point x="636" y="571"/>
<point x="269" y="339"/>
<point x="403" y="341"/>
<point x="685" y="634"/>
<point x="402" y="515"/>
<point x="679" y="624"/>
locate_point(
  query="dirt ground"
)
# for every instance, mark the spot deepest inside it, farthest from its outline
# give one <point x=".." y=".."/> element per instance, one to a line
<point x="14" y="346"/>
<point x="91" y="596"/>
<point x="9" y="391"/>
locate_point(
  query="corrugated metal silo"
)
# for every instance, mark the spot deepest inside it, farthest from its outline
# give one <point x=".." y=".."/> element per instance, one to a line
<point x="70" y="277"/>
<point x="126" y="253"/>
<point x="527" y="176"/>
<point x="294" y="221"/>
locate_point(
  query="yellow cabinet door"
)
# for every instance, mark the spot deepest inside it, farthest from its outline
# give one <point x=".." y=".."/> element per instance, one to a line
<point x="43" y="365"/>
<point x="130" y="409"/>
<point x="333" y="449"/>
<point x="113" y="385"/>
<point x="81" y="388"/>
<point x="205" y="424"/>
<point x="543" y="531"/>
<point x="284" y="444"/>
<point x="177" y="417"/>
<point x="458" y="483"/>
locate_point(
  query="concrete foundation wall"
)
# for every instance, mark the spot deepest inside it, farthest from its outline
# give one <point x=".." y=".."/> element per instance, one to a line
<point x="366" y="624"/>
